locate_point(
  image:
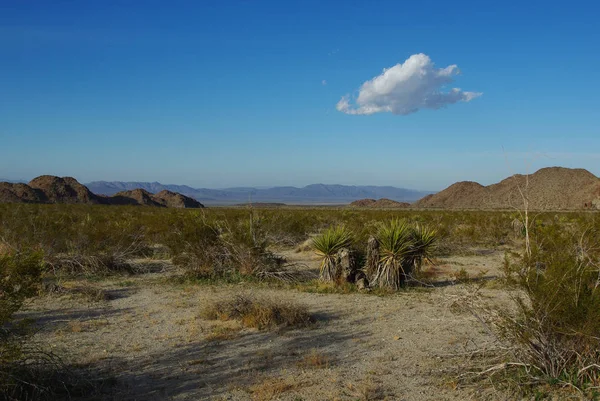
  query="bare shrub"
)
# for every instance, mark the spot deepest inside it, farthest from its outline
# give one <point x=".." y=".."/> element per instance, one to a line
<point x="260" y="313"/>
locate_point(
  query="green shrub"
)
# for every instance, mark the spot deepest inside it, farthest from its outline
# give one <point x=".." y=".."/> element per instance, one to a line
<point x="556" y="330"/>
<point x="20" y="275"/>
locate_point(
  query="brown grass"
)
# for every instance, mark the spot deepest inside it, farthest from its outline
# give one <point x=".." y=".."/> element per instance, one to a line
<point x="221" y="333"/>
<point x="315" y="359"/>
<point x="259" y="313"/>
<point x="271" y="388"/>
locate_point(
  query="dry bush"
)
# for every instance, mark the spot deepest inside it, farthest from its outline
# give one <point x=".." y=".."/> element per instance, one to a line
<point x="88" y="265"/>
<point x="42" y="376"/>
<point x="260" y="313"/>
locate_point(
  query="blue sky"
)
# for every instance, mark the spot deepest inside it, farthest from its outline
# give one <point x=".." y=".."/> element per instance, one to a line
<point x="232" y="93"/>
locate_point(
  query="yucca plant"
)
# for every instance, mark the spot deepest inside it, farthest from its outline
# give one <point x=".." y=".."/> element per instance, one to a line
<point x="402" y="249"/>
<point x="327" y="245"/>
<point x="395" y="246"/>
<point x="423" y="243"/>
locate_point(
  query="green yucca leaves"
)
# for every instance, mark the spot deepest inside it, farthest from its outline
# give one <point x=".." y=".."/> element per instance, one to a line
<point x="402" y="249"/>
<point x="331" y="241"/>
<point x="327" y="245"/>
<point x="424" y="241"/>
<point x="395" y="240"/>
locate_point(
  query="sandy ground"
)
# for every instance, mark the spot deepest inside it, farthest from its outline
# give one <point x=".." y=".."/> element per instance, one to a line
<point x="150" y="336"/>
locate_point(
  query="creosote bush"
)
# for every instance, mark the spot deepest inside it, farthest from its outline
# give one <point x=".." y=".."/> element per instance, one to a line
<point x="260" y="313"/>
<point x="555" y="332"/>
<point x="20" y="275"/>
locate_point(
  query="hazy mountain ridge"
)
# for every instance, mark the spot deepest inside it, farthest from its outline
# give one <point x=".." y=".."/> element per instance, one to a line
<point x="311" y="193"/>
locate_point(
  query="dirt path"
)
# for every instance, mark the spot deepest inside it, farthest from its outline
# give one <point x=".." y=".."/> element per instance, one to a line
<point x="363" y="347"/>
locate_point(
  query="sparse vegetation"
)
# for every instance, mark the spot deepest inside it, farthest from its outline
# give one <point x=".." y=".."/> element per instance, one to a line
<point x="551" y="332"/>
<point x="259" y="313"/>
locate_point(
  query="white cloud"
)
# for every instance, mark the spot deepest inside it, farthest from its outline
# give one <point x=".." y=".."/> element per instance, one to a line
<point x="324" y="82"/>
<point x="406" y="88"/>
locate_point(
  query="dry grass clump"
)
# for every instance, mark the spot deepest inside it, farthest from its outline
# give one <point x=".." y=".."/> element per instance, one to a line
<point x="315" y="360"/>
<point x="271" y="388"/>
<point x="220" y="333"/>
<point x="259" y="313"/>
<point x="88" y="265"/>
<point x="91" y="293"/>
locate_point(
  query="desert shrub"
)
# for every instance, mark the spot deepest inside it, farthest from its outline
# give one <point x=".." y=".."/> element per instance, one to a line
<point x="19" y="279"/>
<point x="27" y="371"/>
<point x="20" y="275"/>
<point x="194" y="245"/>
<point x="260" y="313"/>
<point x="76" y="239"/>
<point x="327" y="245"/>
<point x="555" y="331"/>
<point x="224" y="248"/>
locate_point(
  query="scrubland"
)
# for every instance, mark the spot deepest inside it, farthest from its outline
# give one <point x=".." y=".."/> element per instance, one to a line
<point x="136" y="303"/>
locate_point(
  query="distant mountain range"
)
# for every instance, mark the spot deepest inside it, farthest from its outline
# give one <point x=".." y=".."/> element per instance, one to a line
<point x="551" y="188"/>
<point x="310" y="194"/>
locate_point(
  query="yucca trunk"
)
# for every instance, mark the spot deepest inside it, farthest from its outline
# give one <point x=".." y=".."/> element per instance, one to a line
<point x="390" y="275"/>
<point x="372" y="257"/>
<point x="328" y="246"/>
<point x="329" y="269"/>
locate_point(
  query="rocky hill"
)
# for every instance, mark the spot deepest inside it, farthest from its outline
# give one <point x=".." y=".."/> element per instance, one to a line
<point x="380" y="203"/>
<point x="63" y="190"/>
<point x="552" y="188"/>
<point x="173" y="199"/>
<point x="51" y="189"/>
<point x="20" y="193"/>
